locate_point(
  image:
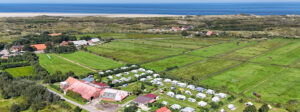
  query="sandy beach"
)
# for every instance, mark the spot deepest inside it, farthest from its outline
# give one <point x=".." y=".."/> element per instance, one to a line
<point x="81" y="15"/>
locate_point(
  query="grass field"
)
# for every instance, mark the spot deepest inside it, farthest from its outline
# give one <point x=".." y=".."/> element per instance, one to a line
<point x="20" y="71"/>
<point x="92" y="61"/>
<point x="128" y="35"/>
<point x="285" y="55"/>
<point x="162" y="65"/>
<point x="203" y="68"/>
<point x="57" y="64"/>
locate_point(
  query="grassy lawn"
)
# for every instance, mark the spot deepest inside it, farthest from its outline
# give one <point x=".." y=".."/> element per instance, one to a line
<point x="92" y="61"/>
<point x="57" y="64"/>
<point x="202" y="68"/>
<point x="242" y="77"/>
<point x="221" y="48"/>
<point x="256" y="49"/>
<point x="284" y="86"/>
<point x="133" y="52"/>
<point x="285" y="55"/>
<point x="128" y="35"/>
<point x="162" y="65"/>
<point x="20" y="71"/>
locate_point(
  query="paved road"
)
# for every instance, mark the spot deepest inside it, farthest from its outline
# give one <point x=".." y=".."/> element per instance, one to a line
<point x="89" y="108"/>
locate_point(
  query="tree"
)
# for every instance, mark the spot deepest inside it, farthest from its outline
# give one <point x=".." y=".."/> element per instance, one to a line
<point x="250" y="108"/>
<point x="77" y="109"/>
<point x="264" y="108"/>
<point x="291" y="105"/>
<point x="27" y="47"/>
<point x="185" y="33"/>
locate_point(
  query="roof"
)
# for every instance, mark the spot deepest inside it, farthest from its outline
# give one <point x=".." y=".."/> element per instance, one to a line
<point x="39" y="47"/>
<point x="119" y="95"/>
<point x="84" y="89"/>
<point x="18" y="47"/>
<point x="142" y="100"/>
<point x="209" y="33"/>
<point x="88" y="79"/>
<point x="163" y="109"/>
<point x="101" y="84"/>
<point x="64" y="43"/>
<point x="55" y="34"/>
<point x="150" y="95"/>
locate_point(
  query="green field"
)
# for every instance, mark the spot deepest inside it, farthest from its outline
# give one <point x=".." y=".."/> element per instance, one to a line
<point x="92" y="61"/>
<point x="58" y="64"/>
<point x="128" y="35"/>
<point x="285" y="55"/>
<point x="162" y="65"/>
<point x="20" y="71"/>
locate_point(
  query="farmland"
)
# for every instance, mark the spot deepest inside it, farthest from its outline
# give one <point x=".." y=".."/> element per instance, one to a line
<point x="93" y="61"/>
<point x="20" y="71"/>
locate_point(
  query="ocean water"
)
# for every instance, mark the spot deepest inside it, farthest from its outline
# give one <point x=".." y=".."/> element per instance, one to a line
<point x="170" y="9"/>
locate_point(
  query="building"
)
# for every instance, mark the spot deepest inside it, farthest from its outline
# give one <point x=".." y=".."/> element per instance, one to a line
<point x="89" y="79"/>
<point x="163" y="109"/>
<point x="80" y="43"/>
<point x="39" y="47"/>
<point x="87" y="90"/>
<point x="143" y="100"/>
<point x="17" y="48"/>
<point x="113" y="95"/>
<point x="153" y="96"/>
<point x="102" y="85"/>
<point x="54" y="34"/>
<point x="209" y="33"/>
<point x="202" y="103"/>
<point x="64" y="43"/>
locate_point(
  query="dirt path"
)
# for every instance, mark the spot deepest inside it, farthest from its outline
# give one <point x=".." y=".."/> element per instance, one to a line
<point x="76" y="63"/>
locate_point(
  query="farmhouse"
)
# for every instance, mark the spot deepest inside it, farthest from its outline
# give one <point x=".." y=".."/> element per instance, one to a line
<point x="109" y="94"/>
<point x="39" y="47"/>
<point x="163" y="109"/>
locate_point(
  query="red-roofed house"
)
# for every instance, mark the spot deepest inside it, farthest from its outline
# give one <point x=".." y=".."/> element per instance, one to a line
<point x="54" y="34"/>
<point x="153" y="96"/>
<point x="163" y="109"/>
<point x="209" y="33"/>
<point x="101" y="84"/>
<point x="39" y="47"/>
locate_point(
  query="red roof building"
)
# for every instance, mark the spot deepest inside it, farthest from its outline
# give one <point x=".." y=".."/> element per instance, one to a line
<point x="163" y="109"/>
<point x="101" y="84"/>
<point x="54" y="34"/>
<point x="153" y="96"/>
<point x="39" y="47"/>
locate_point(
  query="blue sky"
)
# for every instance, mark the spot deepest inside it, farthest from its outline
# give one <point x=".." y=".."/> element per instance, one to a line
<point x="139" y="1"/>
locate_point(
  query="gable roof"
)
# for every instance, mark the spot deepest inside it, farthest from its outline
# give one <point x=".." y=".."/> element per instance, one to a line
<point x="142" y="100"/>
<point x="39" y="46"/>
<point x="150" y="95"/>
<point x="113" y="94"/>
<point x="163" y="109"/>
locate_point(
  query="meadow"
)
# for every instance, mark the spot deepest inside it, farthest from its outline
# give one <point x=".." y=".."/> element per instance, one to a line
<point x="92" y="60"/>
<point x="20" y="71"/>
<point x="54" y="63"/>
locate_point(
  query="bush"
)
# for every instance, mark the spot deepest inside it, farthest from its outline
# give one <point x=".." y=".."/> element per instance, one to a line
<point x="77" y="109"/>
<point x="264" y="108"/>
<point x="250" y="108"/>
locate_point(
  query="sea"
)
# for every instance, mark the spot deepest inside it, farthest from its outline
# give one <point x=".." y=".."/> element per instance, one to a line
<point x="277" y="8"/>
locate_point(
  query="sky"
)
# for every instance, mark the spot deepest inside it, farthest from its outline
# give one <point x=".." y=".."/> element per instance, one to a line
<point x="140" y="1"/>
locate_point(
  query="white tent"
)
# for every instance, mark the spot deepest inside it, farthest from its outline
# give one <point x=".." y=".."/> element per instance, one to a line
<point x="142" y="74"/>
<point x="249" y="103"/>
<point x="110" y="77"/>
<point x="188" y="92"/>
<point x="119" y="75"/>
<point x="191" y="100"/>
<point x="158" y="79"/>
<point x="182" y="84"/>
<point x="165" y="102"/>
<point x="123" y="79"/>
<point x="126" y="73"/>
<point x="231" y="107"/>
<point x="215" y="99"/>
<point x="167" y="80"/>
<point x="202" y="103"/>
<point x="156" y="75"/>
<point x="171" y="94"/>
<point x="133" y="66"/>
<point x="192" y="87"/>
<point x="180" y="97"/>
<point x="210" y="92"/>
<point x="221" y="95"/>
<point x="143" y="79"/>
<point x="149" y="77"/>
<point x="101" y="73"/>
<point x="142" y="69"/>
<point x="134" y="71"/>
<point x="174" y="82"/>
<point x="175" y="106"/>
<point x="201" y="95"/>
<point x="123" y="68"/>
<point x="115" y="81"/>
<point x="136" y="75"/>
<point x="108" y="71"/>
<point x="149" y="71"/>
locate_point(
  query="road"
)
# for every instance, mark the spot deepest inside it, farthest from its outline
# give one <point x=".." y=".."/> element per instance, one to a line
<point x="89" y="108"/>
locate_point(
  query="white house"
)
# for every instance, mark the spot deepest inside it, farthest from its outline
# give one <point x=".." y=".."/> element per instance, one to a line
<point x="215" y="99"/>
<point x="182" y="84"/>
<point x="171" y="94"/>
<point x="231" y="107"/>
<point x="201" y="95"/>
<point x="167" y="80"/>
<point x="192" y="87"/>
<point x="221" y="95"/>
<point x="175" y="106"/>
<point x="143" y="79"/>
<point x="180" y="97"/>
<point x="188" y="92"/>
<point x="191" y="100"/>
<point x="80" y="43"/>
<point x="165" y="102"/>
<point x="210" y="92"/>
<point x="202" y="103"/>
<point x="119" y="75"/>
<point x="155" y="75"/>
